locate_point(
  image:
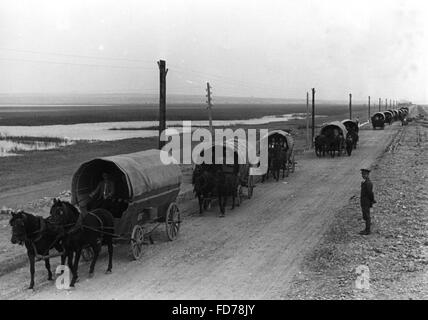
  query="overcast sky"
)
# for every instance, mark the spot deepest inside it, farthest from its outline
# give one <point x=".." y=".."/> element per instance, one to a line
<point x="261" y="48"/>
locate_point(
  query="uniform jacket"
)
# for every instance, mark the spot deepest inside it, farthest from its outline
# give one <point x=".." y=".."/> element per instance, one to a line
<point x="367" y="196"/>
<point x="104" y="190"/>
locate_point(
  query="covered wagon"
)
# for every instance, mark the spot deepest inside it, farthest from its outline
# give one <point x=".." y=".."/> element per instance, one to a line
<point x="334" y="134"/>
<point x="281" y="153"/>
<point x="223" y="170"/>
<point x="389" y="117"/>
<point x="145" y="193"/>
<point x="351" y="125"/>
<point x="378" y="120"/>
<point x="240" y="165"/>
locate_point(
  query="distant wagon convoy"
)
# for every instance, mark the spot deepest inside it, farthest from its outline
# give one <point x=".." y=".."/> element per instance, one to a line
<point x="379" y="119"/>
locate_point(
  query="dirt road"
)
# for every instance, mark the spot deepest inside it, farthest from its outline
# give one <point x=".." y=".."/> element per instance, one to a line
<point x="253" y="253"/>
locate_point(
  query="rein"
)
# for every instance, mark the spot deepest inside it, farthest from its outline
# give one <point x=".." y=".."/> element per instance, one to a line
<point x="40" y="233"/>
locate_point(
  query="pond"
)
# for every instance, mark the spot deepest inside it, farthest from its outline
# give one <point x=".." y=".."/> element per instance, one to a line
<point x="17" y="139"/>
<point x="14" y="146"/>
<point x="109" y="131"/>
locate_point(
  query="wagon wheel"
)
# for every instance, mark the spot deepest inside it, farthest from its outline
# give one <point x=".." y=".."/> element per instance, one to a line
<point x="87" y="254"/>
<point x="239" y="195"/>
<point x="250" y="187"/>
<point x="287" y="168"/>
<point x="293" y="164"/>
<point x="137" y="240"/>
<point x="172" y="221"/>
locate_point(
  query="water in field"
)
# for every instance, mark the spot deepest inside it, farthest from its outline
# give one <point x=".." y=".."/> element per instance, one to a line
<point x="14" y="147"/>
<point x="109" y="131"/>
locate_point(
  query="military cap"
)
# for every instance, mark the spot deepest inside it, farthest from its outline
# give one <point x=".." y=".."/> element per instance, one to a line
<point x="365" y="170"/>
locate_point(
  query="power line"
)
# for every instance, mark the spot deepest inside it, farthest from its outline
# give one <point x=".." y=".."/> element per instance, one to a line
<point x="223" y="78"/>
<point x="76" y="55"/>
<point x="76" y="63"/>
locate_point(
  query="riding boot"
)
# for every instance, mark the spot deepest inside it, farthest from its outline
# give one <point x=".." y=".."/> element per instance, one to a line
<point x="366" y="231"/>
<point x="368" y="225"/>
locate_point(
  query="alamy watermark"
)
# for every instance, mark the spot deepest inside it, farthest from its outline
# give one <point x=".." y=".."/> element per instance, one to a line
<point x="63" y="279"/>
<point x="251" y="147"/>
<point x="363" y="277"/>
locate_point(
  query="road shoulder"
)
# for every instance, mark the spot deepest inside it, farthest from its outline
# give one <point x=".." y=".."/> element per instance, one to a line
<point x="396" y="253"/>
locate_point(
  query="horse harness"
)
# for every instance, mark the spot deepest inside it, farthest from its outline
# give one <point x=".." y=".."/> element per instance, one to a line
<point x="40" y="233"/>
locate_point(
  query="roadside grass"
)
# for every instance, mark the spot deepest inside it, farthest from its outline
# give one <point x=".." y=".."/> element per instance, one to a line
<point x="27" y="139"/>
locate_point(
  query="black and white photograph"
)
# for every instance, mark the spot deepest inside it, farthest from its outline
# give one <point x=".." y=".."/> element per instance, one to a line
<point x="230" y="151"/>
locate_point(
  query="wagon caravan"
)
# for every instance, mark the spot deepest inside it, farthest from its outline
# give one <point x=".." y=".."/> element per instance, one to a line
<point x="189" y="150"/>
<point x="280" y="154"/>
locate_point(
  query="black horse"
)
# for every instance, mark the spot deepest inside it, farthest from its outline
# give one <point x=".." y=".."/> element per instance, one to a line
<point x="277" y="161"/>
<point x="320" y="145"/>
<point x="97" y="228"/>
<point x="349" y="143"/>
<point x="39" y="236"/>
<point x="336" y="143"/>
<point x="354" y="136"/>
<point x="227" y="185"/>
<point x="270" y="168"/>
<point x="203" y="181"/>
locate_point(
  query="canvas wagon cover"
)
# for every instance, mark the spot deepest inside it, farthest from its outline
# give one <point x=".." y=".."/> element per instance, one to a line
<point x="337" y="124"/>
<point x="144" y="172"/>
<point x="350" y="122"/>
<point x="288" y="137"/>
<point x="379" y="114"/>
<point x="388" y="112"/>
<point x="237" y="146"/>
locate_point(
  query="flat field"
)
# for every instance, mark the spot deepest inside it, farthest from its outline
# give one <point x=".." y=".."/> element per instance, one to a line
<point x="36" y="116"/>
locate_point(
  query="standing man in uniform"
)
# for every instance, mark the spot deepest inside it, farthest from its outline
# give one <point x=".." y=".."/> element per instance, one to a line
<point x="366" y="200"/>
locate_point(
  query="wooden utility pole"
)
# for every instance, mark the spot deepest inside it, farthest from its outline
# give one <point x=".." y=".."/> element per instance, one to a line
<point x="313" y="115"/>
<point x="386" y="104"/>
<point x="162" y="99"/>
<point x="210" y="118"/>
<point x="369" y="110"/>
<point x="308" y="146"/>
<point x="380" y="103"/>
<point x="350" y="106"/>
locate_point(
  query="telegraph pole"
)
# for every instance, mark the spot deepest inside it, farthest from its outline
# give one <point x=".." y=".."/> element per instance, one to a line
<point x="380" y="103"/>
<point x="307" y="121"/>
<point x="369" y="110"/>
<point x="386" y="104"/>
<point x="350" y="106"/>
<point x="313" y="115"/>
<point x="162" y="99"/>
<point x="210" y="118"/>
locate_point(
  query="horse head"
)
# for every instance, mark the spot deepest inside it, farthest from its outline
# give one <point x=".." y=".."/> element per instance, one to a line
<point x="63" y="212"/>
<point x="18" y="222"/>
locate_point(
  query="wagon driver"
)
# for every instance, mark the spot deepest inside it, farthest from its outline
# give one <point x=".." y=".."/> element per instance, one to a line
<point x="366" y="200"/>
<point x="103" y="194"/>
<point x="101" y="197"/>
